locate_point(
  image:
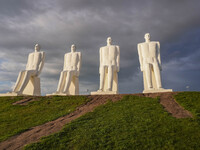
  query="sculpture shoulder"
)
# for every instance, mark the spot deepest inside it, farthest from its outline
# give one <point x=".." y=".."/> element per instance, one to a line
<point x="117" y="46"/>
<point x="67" y="53"/>
<point x="43" y="53"/>
<point x="31" y="53"/>
<point x="156" y="42"/>
<point x="78" y="53"/>
<point x="139" y="44"/>
<point x="103" y="47"/>
<point x="40" y="53"/>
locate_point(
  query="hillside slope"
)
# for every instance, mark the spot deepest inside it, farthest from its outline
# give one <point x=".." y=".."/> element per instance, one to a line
<point x="134" y="118"/>
<point x="132" y="123"/>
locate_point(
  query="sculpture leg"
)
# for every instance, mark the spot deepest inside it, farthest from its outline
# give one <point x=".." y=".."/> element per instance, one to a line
<point x="19" y="78"/>
<point x="148" y="75"/>
<point x="102" y="74"/>
<point x="60" y="81"/>
<point x="110" y="77"/>
<point x="68" y="81"/>
<point x="27" y="75"/>
<point x="157" y="75"/>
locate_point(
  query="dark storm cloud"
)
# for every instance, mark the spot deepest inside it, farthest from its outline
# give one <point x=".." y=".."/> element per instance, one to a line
<point x="87" y="23"/>
<point x="13" y="8"/>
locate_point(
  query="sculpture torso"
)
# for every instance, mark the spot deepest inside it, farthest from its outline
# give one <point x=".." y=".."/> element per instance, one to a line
<point x="149" y="51"/>
<point x="34" y="60"/>
<point x="109" y="55"/>
<point x="71" y="61"/>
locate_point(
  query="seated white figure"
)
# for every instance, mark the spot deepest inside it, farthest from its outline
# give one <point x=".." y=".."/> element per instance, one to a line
<point x="109" y="66"/>
<point x="69" y="77"/>
<point x="28" y="81"/>
<point x="150" y="65"/>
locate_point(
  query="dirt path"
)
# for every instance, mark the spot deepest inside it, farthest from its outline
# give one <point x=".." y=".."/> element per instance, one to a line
<point x="26" y="100"/>
<point x="35" y="133"/>
<point x="170" y="105"/>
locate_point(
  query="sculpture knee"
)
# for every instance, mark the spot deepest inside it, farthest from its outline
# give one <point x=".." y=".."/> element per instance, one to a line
<point x="22" y="72"/>
<point x="63" y="73"/>
<point x="102" y="69"/>
<point x="145" y="66"/>
<point x="156" y="68"/>
<point x="70" y="73"/>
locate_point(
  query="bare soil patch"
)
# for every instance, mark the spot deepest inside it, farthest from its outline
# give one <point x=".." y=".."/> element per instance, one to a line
<point x="26" y="100"/>
<point x="170" y="104"/>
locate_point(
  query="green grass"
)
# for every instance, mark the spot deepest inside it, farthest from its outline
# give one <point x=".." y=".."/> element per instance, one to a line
<point x="132" y="123"/>
<point x="190" y="101"/>
<point x="15" y="119"/>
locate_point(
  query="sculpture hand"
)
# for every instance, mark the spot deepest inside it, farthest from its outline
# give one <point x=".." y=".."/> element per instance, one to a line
<point x="141" y="68"/>
<point x="99" y="69"/>
<point x="77" y="73"/>
<point x="37" y="74"/>
<point x="117" y="68"/>
<point x="160" y="68"/>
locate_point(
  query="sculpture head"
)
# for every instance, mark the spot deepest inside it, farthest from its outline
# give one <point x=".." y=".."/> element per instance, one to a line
<point x="109" y="41"/>
<point x="37" y="47"/>
<point x="73" y="48"/>
<point x="147" y="37"/>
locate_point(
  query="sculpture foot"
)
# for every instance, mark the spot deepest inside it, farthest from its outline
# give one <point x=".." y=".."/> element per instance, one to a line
<point x="67" y="92"/>
<point x="108" y="90"/>
<point x="16" y="93"/>
<point x="100" y="90"/>
<point x="55" y="93"/>
<point x="10" y="92"/>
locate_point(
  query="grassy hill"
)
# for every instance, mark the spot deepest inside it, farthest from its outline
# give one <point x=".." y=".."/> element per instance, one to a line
<point x="132" y="123"/>
<point x="15" y="119"/>
<point x="135" y="122"/>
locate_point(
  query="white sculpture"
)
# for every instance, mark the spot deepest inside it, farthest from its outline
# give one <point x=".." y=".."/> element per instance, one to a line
<point x="69" y="77"/>
<point x="150" y="65"/>
<point x="28" y="81"/>
<point x="109" y="66"/>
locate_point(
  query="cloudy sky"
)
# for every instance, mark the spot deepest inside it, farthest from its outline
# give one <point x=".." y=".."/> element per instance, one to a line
<point x="57" y="24"/>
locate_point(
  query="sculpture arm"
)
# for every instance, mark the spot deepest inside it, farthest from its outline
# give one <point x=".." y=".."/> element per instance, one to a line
<point x="100" y="60"/>
<point x="79" y="63"/>
<point x="41" y="63"/>
<point x="140" y="57"/>
<point x="159" y="59"/>
<point x="118" y="58"/>
<point x="64" y="65"/>
<point x="28" y="62"/>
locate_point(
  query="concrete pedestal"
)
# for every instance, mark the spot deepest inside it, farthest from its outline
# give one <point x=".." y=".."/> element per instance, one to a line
<point x="104" y="93"/>
<point x="32" y="88"/>
<point x="157" y="90"/>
